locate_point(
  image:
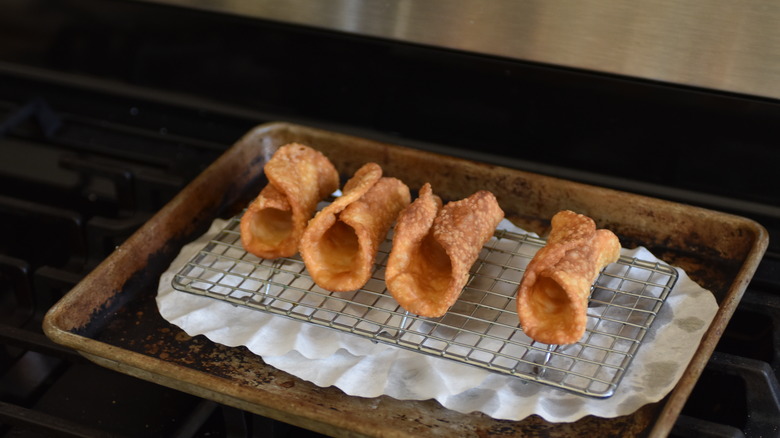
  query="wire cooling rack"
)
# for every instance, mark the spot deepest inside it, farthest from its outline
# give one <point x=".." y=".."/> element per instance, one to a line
<point x="481" y="329"/>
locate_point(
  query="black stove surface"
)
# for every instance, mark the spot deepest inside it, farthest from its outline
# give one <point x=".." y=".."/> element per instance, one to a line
<point x="106" y="113"/>
<point x="74" y="187"/>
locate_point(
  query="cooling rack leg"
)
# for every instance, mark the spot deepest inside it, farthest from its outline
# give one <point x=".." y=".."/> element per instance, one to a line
<point x="275" y="267"/>
<point x="547" y="356"/>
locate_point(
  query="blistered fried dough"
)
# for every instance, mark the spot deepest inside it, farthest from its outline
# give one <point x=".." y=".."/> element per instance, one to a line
<point x="552" y="298"/>
<point x="434" y="248"/>
<point x="299" y="177"/>
<point x="340" y="244"/>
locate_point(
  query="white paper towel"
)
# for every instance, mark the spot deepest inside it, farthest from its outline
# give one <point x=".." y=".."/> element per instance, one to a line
<point x="360" y="367"/>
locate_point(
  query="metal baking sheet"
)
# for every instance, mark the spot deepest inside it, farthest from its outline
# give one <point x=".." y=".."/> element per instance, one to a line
<point x="481" y="329"/>
<point x="111" y="315"/>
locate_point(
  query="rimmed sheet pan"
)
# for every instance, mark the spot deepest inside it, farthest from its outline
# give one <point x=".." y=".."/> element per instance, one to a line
<point x="111" y="316"/>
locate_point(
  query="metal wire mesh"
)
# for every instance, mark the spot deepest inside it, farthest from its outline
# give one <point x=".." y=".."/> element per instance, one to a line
<point x="481" y="329"/>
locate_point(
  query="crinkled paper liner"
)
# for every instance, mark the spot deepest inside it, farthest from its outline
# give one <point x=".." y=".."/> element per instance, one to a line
<point x="363" y="368"/>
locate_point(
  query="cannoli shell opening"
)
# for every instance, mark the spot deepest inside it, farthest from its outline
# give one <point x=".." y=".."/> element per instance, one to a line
<point x="434" y="248"/>
<point x="554" y="309"/>
<point x="552" y="298"/>
<point x="340" y="244"/>
<point x="268" y="228"/>
<point x="299" y="177"/>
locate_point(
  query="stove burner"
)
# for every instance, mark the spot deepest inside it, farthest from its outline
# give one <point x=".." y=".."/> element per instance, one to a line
<point x="36" y="109"/>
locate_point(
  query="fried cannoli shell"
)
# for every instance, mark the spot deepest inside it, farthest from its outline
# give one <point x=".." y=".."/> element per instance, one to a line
<point x="552" y="298"/>
<point x="299" y="177"/>
<point x="340" y="244"/>
<point x="434" y="248"/>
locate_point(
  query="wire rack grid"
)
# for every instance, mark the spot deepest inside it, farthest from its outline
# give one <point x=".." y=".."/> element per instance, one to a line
<point x="481" y="329"/>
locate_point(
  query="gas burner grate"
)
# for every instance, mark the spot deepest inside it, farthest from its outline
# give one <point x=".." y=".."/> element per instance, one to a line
<point x="481" y="329"/>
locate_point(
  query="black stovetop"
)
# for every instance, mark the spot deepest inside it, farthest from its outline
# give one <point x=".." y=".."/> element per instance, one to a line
<point x="105" y="114"/>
